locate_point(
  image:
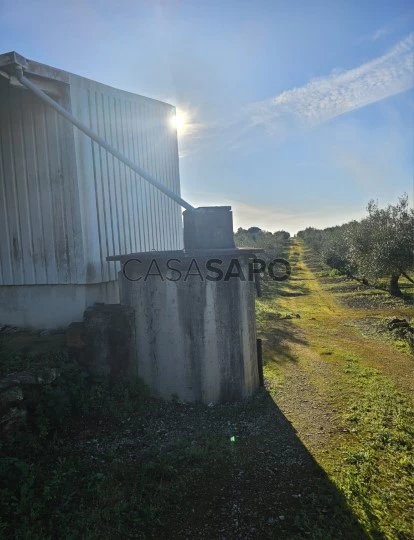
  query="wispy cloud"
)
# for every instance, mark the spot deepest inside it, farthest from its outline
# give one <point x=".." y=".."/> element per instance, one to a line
<point x="404" y="20"/>
<point x="380" y="33"/>
<point x="317" y="102"/>
<point x="339" y="93"/>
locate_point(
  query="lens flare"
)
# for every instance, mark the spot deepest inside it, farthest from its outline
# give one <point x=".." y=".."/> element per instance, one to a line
<point x="180" y="121"/>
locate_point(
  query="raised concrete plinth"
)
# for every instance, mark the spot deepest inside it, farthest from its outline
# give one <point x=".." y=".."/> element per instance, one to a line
<point x="195" y="338"/>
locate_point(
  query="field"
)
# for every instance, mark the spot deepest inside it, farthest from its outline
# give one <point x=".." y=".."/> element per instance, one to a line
<point x="324" y="451"/>
<point x="345" y="387"/>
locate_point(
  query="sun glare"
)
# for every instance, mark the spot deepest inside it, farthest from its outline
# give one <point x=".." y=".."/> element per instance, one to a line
<point x="180" y="121"/>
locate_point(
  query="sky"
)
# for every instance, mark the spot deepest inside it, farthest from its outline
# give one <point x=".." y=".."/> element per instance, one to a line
<point x="294" y="112"/>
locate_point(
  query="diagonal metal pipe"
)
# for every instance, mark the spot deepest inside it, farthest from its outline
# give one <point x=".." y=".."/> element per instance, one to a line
<point x="95" y="137"/>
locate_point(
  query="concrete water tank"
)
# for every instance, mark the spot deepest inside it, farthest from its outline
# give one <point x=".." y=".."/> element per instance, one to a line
<point x="195" y="314"/>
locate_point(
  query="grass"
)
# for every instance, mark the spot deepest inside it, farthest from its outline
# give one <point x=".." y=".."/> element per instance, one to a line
<point x="357" y="381"/>
<point x="376" y="475"/>
<point x="73" y="498"/>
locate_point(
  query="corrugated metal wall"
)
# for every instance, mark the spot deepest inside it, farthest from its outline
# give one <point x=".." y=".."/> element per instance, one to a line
<point x="65" y="203"/>
<point x="130" y="215"/>
<point x="39" y="210"/>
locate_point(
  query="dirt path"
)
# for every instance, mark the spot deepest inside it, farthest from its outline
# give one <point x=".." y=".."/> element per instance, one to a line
<point x="325" y="325"/>
<point x="309" y="394"/>
<point x="309" y="353"/>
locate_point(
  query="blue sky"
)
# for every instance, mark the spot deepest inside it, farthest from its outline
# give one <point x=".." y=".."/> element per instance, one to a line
<point x="296" y="112"/>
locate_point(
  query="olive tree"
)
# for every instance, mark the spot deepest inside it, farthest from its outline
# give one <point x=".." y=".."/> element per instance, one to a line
<point x="335" y="249"/>
<point x="382" y="245"/>
<point x="273" y="244"/>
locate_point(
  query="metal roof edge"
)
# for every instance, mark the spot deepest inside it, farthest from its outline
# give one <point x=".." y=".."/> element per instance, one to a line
<point x="9" y="60"/>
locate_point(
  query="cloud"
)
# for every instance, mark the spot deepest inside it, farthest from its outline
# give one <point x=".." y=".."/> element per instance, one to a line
<point x="395" y="25"/>
<point x="341" y="92"/>
<point x="380" y="33"/>
<point x="321" y="100"/>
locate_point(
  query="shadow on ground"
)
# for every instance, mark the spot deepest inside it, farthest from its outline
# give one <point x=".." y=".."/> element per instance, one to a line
<point x="263" y="483"/>
<point x="276" y="341"/>
<point x="184" y="471"/>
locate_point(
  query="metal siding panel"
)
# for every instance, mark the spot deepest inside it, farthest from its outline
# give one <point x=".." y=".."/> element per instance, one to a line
<point x="32" y="179"/>
<point x="150" y="167"/>
<point x="165" y="132"/>
<point x="71" y="201"/>
<point x="137" y="139"/>
<point x="14" y="240"/>
<point x="147" y="187"/>
<point x="160" y="198"/>
<point x="6" y="272"/>
<point x="45" y="192"/>
<point x="165" y="210"/>
<point x="171" y="159"/>
<point x="111" y="180"/>
<point x="175" y="165"/>
<point x="164" y="202"/>
<point x="124" y="173"/>
<point x="37" y="188"/>
<point x="165" y="141"/>
<point x="120" y="184"/>
<point x="136" y="180"/>
<point x="131" y="184"/>
<point x="107" y="208"/>
<point x="144" y="161"/>
<point x="55" y="175"/>
<point x="165" y="125"/>
<point x="21" y="171"/>
<point x="110" y="120"/>
<point x="144" y="185"/>
<point x="92" y="270"/>
<point x="119" y="187"/>
<point x="7" y="275"/>
<point x="97" y="178"/>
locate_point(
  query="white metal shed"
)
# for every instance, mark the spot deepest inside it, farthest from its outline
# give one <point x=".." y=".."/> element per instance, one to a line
<point x="66" y="203"/>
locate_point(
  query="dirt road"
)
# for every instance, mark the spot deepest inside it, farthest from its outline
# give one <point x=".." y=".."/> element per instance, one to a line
<point x="322" y="364"/>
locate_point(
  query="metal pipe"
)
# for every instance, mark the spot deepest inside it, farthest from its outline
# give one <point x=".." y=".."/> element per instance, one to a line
<point x="95" y="137"/>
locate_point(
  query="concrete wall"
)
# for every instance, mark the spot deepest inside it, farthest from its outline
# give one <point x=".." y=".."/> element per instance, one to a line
<point x="196" y="340"/>
<point x="52" y="306"/>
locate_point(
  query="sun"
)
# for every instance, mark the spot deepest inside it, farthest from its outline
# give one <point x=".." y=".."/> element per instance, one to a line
<point x="180" y="121"/>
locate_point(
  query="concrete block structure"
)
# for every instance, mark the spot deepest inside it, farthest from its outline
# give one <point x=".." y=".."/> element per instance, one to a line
<point x="195" y="337"/>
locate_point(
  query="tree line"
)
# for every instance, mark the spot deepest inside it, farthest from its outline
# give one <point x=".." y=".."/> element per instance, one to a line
<point x="274" y="244"/>
<point x="381" y="245"/>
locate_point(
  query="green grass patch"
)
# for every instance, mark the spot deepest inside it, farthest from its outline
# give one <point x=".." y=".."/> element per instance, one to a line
<point x="79" y="496"/>
<point x="376" y="472"/>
